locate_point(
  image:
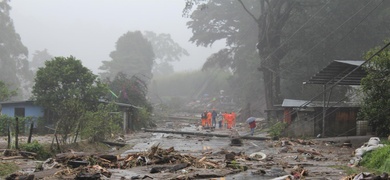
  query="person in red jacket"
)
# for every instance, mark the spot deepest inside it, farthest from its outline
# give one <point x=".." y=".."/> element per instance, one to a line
<point x="252" y="125"/>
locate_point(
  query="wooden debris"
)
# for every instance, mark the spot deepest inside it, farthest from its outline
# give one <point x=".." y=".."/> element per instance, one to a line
<point x="309" y="151"/>
<point x="12" y="157"/>
<point x="202" y="159"/>
<point x="28" y="154"/>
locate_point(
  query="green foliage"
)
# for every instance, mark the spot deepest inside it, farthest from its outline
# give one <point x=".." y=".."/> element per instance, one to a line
<point x="36" y="147"/>
<point x="378" y="159"/>
<point x="101" y="124"/>
<point x="66" y="78"/>
<point x="69" y="117"/>
<point x="67" y="88"/>
<point x="376" y="92"/>
<point x="5" y="121"/>
<point x="235" y="165"/>
<point x="7" y="168"/>
<point x="5" y="92"/>
<point x="133" y="55"/>
<point x="277" y="129"/>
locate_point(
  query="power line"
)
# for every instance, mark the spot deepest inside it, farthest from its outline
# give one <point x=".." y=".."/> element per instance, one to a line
<point x="290" y="65"/>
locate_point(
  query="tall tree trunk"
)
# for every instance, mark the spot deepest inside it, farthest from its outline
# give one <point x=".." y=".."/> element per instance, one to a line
<point x="271" y="23"/>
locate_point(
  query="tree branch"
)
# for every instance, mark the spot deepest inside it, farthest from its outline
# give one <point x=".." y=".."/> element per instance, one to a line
<point x="250" y="14"/>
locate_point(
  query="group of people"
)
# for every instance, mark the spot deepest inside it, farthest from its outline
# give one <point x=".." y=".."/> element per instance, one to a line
<point x="209" y="119"/>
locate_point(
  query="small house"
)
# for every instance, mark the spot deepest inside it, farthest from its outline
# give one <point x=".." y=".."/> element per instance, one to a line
<point x="23" y="109"/>
<point x="307" y="119"/>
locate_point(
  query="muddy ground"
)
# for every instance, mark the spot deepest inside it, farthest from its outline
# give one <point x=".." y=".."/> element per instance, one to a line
<point x="309" y="158"/>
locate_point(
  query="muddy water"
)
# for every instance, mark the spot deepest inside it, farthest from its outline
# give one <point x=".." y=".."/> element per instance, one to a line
<point x="192" y="145"/>
<point x="197" y="146"/>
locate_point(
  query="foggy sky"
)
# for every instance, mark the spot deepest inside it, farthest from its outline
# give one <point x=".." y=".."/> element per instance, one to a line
<point x="89" y="29"/>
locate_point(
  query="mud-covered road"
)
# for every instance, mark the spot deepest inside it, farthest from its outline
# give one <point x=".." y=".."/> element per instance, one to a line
<point x="302" y="158"/>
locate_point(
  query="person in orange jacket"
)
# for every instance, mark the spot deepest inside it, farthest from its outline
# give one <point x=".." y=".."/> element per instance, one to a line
<point x="209" y="115"/>
<point x="203" y="117"/>
<point x="233" y="119"/>
<point x="229" y="121"/>
<point x="225" y="117"/>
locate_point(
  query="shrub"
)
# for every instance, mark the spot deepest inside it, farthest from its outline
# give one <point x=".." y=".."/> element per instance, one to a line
<point x="36" y="147"/>
<point x="100" y="125"/>
<point x="276" y="130"/>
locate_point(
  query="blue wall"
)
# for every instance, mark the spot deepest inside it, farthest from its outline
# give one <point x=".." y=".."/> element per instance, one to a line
<point x="29" y="109"/>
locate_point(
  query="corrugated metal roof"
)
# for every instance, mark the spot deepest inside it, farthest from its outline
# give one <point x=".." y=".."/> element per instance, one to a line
<point x="304" y="103"/>
<point x="351" y="62"/>
<point x="16" y="102"/>
<point x="345" y="72"/>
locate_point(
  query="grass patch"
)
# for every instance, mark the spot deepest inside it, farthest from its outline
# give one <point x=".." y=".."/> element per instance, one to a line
<point x="7" y="168"/>
<point x="378" y="159"/>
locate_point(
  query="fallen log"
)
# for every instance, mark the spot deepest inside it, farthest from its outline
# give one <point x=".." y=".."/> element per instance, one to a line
<point x="27" y="154"/>
<point x="108" y="157"/>
<point x="12" y="157"/>
<point x="64" y="157"/>
<point x="204" y="134"/>
<point x="76" y="163"/>
<point x="114" y="143"/>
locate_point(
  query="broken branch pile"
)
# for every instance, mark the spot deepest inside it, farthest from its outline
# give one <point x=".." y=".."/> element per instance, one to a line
<point x="92" y="165"/>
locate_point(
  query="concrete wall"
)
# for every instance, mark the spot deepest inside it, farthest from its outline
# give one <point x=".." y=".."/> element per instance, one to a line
<point x="302" y="125"/>
<point x="339" y="121"/>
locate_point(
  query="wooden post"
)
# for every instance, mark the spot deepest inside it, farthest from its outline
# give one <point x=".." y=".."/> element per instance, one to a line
<point x="9" y="136"/>
<point x="324" y="112"/>
<point x="125" y="122"/>
<point x="17" y="133"/>
<point x="31" y="132"/>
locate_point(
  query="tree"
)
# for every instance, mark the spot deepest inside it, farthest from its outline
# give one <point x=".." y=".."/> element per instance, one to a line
<point x="39" y="58"/>
<point x="166" y="51"/>
<point x="215" y="20"/>
<point x="5" y="92"/>
<point x="13" y="55"/>
<point x="133" y="55"/>
<point x="67" y="88"/>
<point x="376" y="91"/>
<point x="132" y="90"/>
<point x="325" y="31"/>
<point x="294" y="38"/>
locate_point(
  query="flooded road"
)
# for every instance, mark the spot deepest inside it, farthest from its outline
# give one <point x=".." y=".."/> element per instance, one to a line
<point x="280" y="161"/>
<point x="211" y="157"/>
